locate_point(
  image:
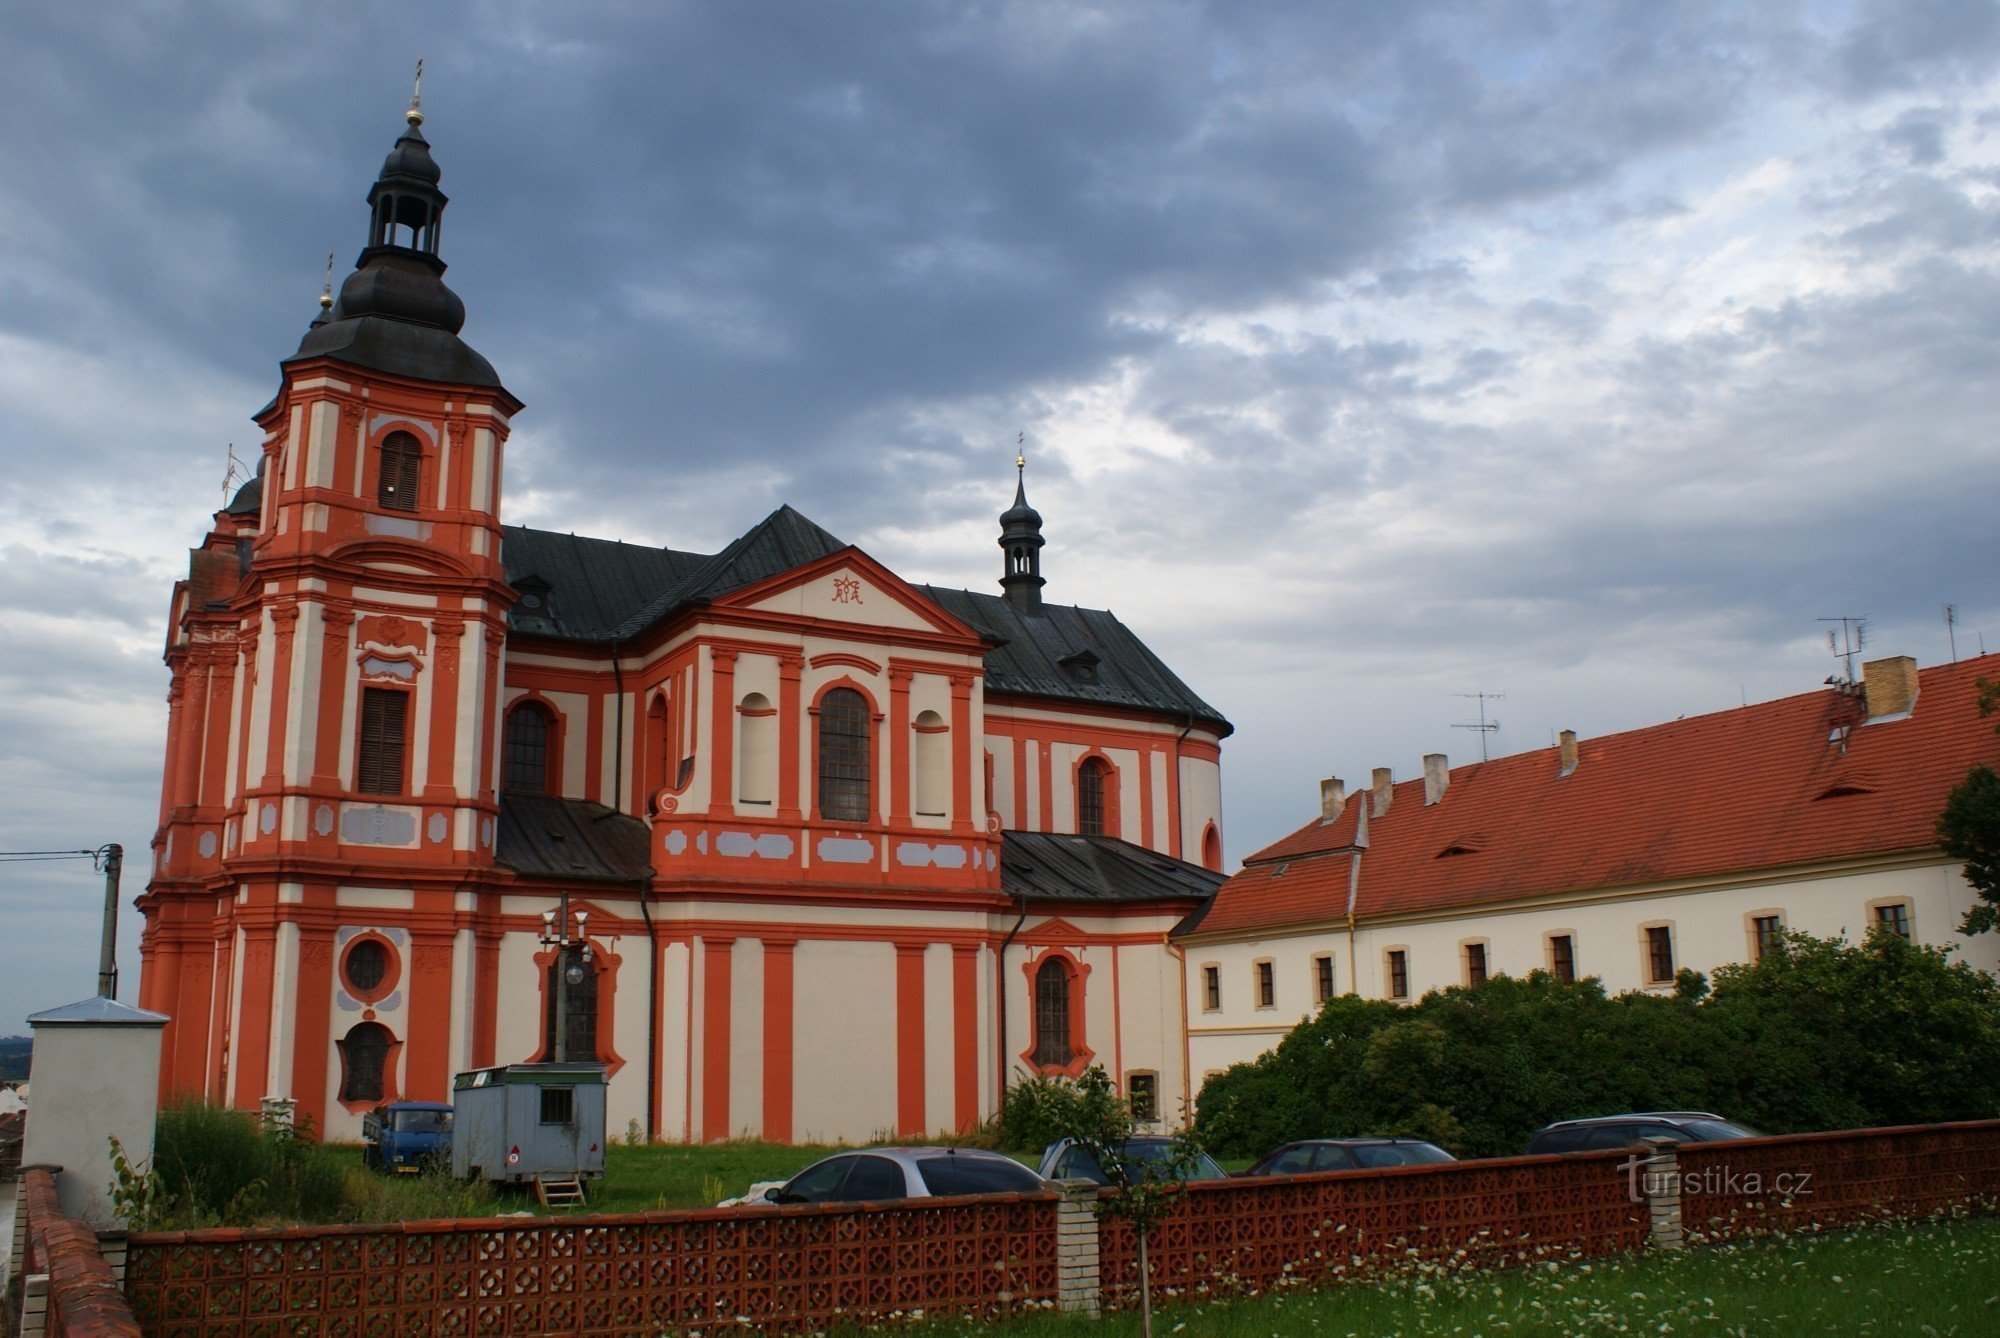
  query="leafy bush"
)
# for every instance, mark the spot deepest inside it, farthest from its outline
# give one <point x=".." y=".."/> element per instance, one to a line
<point x="1820" y="1035"/>
<point x="1036" y="1110"/>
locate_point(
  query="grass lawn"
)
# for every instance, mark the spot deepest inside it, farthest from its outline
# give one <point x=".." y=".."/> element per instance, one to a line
<point x="1938" y="1278"/>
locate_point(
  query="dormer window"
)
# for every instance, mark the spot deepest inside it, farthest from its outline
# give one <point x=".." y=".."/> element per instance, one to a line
<point x="397" y="484"/>
<point x="1080" y="666"/>
<point x="537" y="598"/>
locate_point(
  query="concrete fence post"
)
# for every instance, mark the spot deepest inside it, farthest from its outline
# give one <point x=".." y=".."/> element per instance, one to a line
<point x="1078" y="1284"/>
<point x="1662" y="1179"/>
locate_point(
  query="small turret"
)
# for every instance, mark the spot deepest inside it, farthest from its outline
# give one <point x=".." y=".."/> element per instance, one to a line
<point x="1021" y="540"/>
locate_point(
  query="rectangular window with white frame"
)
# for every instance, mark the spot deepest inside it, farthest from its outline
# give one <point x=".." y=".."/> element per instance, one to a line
<point x="1211" y="988"/>
<point x="1323" y="977"/>
<point x="1894" y="916"/>
<point x="1562" y="957"/>
<point x="1396" y="968"/>
<point x="1657" y="942"/>
<point x="1267" y="984"/>
<point x="1473" y="952"/>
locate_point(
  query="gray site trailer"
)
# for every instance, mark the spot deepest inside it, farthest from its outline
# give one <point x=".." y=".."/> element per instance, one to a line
<point x="527" y="1120"/>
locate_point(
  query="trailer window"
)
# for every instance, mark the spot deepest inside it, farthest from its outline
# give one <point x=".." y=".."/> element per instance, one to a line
<point x="558" y="1105"/>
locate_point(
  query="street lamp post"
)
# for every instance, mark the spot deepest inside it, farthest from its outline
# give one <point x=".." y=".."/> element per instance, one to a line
<point x="569" y="969"/>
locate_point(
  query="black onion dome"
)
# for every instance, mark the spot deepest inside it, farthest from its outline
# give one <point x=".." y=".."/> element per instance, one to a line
<point x="1021" y="513"/>
<point x="411" y="158"/>
<point x="394" y="313"/>
<point x="249" y="499"/>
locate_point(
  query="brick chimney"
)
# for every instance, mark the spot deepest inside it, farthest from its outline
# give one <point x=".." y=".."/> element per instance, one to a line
<point x="1890" y="685"/>
<point x="1332" y="797"/>
<point x="1381" y="789"/>
<point x="1437" y="776"/>
<point x="1568" y="737"/>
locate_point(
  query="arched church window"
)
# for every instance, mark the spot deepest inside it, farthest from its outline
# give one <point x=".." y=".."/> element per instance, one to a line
<point x="402" y="467"/>
<point x="1095" y="790"/>
<point x="577" y="979"/>
<point x="364" y="1056"/>
<point x="1052" y="1016"/>
<point x="1211" y="848"/>
<point x="659" y="762"/>
<point x="843" y="756"/>
<point x="527" y="750"/>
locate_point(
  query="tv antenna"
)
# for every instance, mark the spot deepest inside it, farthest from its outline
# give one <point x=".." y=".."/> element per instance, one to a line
<point x="1483" y="725"/>
<point x="1847" y="643"/>
<point x="233" y="473"/>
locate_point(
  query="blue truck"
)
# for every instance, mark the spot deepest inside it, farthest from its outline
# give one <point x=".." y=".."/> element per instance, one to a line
<point x="406" y="1136"/>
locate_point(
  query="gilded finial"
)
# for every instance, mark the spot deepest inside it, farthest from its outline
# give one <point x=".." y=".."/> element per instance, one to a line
<point x="326" y="293"/>
<point x="415" y="115"/>
<point x="1020" y="456"/>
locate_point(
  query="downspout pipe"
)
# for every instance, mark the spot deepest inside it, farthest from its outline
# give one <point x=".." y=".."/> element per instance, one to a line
<point x="1000" y="993"/>
<point x="645" y="907"/>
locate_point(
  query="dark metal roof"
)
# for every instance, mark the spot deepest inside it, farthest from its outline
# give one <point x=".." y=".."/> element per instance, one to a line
<point x="1049" y="866"/>
<point x="571" y="840"/>
<point x="781" y="542"/>
<point x="594" y="585"/>
<point x="602" y="591"/>
<point x="401" y="348"/>
<point x="1043" y="655"/>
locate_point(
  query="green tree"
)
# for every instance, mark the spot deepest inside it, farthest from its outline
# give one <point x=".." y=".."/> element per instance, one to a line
<point x="1969" y="829"/>
<point x="1142" y="1190"/>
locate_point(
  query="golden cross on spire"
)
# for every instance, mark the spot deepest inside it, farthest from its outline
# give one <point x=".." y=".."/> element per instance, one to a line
<point x="415" y="115"/>
<point x="326" y="293"/>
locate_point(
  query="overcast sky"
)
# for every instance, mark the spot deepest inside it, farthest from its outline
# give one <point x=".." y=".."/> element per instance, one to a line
<point x="1367" y="354"/>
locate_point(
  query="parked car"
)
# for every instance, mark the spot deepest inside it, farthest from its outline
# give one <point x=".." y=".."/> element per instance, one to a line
<point x="885" y="1175"/>
<point x="1619" y="1131"/>
<point x="405" y="1136"/>
<point x="1064" y="1160"/>
<point x="1348" y="1154"/>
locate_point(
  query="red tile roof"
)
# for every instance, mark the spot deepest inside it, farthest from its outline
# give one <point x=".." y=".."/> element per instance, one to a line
<point x="1758" y="787"/>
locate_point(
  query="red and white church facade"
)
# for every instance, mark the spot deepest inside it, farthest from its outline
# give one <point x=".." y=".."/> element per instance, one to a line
<point x="851" y="851"/>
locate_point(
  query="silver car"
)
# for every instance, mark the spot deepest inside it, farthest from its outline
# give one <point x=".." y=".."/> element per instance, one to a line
<point x="885" y="1175"/>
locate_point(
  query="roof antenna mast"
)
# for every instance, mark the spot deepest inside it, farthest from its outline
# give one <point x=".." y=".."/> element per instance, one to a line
<point x="1848" y="642"/>
<point x="1483" y="725"/>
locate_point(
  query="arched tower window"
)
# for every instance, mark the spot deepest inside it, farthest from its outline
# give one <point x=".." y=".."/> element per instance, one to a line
<point x="401" y="473"/>
<point x="843" y="756"/>
<point x="1211" y="848"/>
<point x="1052" y="1015"/>
<point x="1096" y="796"/>
<point x="528" y="753"/>
<point x="364" y="1056"/>
<point x="932" y="769"/>
<point x="659" y="765"/>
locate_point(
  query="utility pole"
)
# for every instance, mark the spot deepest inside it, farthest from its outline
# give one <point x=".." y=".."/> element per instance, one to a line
<point x="113" y="859"/>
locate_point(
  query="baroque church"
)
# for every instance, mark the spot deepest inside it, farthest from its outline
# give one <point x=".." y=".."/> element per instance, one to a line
<point x="795" y="848"/>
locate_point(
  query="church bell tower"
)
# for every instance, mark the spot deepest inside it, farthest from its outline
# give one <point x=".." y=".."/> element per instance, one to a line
<point x="343" y="733"/>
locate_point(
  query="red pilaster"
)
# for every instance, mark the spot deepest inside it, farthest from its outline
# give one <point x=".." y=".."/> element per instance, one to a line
<point x="778" y="1045"/>
<point x="901" y="746"/>
<point x="285" y="619"/>
<point x="716" y="954"/>
<point x="253" y="1017"/>
<point x="964" y="749"/>
<point x="337" y="624"/>
<point x="485" y="993"/>
<point x="311" y="1019"/>
<point x="909" y="1039"/>
<point x="427" y="1057"/>
<point x="722" y="732"/>
<point x="965" y="1036"/>
<point x="442" y="756"/>
<point x="790" y="724"/>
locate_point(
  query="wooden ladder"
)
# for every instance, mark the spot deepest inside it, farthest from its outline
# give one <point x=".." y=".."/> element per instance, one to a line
<point x="559" y="1191"/>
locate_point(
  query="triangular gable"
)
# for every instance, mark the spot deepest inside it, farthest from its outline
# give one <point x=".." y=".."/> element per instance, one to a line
<point x="1057" y="930"/>
<point x="851" y="587"/>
